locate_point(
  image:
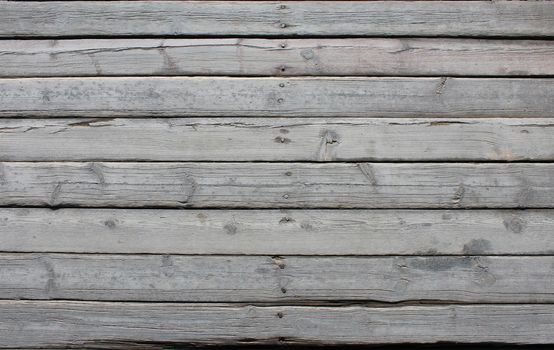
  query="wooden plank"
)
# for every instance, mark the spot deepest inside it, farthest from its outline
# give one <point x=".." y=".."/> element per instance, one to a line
<point x="277" y="18"/>
<point x="264" y="279"/>
<point x="277" y="139"/>
<point x="278" y="185"/>
<point x="31" y="323"/>
<point x="319" y="97"/>
<point x="287" y="57"/>
<point x="278" y="232"/>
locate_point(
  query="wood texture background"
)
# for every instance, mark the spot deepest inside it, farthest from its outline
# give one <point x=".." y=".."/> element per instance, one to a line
<point x="178" y="173"/>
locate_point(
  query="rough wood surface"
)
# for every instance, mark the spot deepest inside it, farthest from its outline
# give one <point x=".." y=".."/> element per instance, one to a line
<point x="277" y="139"/>
<point x="89" y="323"/>
<point x="263" y="279"/>
<point x="288" y="57"/>
<point x="303" y="97"/>
<point x="278" y="232"/>
<point x="272" y="18"/>
<point x="278" y="185"/>
<point x="185" y="173"/>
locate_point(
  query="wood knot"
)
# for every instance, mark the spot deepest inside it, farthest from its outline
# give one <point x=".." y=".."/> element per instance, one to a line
<point x="110" y="223"/>
<point x="286" y="220"/>
<point x="514" y="224"/>
<point x="281" y="139"/>
<point x="279" y="262"/>
<point x="230" y="229"/>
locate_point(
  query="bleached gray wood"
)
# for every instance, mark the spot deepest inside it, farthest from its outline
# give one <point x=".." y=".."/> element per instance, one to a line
<point x="278" y="232"/>
<point x="63" y="323"/>
<point x="278" y="185"/>
<point x="264" y="279"/>
<point x="277" y="139"/>
<point x="272" y="18"/>
<point x="287" y="57"/>
<point x="222" y="96"/>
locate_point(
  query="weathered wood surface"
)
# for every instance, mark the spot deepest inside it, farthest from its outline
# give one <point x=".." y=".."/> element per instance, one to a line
<point x="278" y="185"/>
<point x="288" y="57"/>
<point x="277" y="139"/>
<point x="323" y="151"/>
<point x="263" y="279"/>
<point x="272" y="18"/>
<point x="88" y="323"/>
<point x="221" y="96"/>
<point x="278" y="232"/>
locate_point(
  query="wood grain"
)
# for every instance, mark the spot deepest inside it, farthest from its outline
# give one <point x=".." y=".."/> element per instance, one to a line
<point x="301" y="97"/>
<point x="56" y="323"/>
<point x="188" y="173"/>
<point x="282" y="57"/>
<point x="278" y="232"/>
<point x="264" y="279"/>
<point x="278" y="185"/>
<point x="272" y="18"/>
<point x="277" y="139"/>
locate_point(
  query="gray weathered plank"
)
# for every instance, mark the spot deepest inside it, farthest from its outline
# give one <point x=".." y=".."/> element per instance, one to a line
<point x="279" y="185"/>
<point x="288" y="57"/>
<point x="265" y="279"/>
<point x="277" y="139"/>
<point x="278" y="232"/>
<point x="272" y="18"/>
<point x="32" y="323"/>
<point x="222" y="96"/>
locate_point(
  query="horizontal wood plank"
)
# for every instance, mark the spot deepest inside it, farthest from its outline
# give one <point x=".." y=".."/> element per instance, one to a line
<point x="276" y="18"/>
<point x="286" y="57"/>
<point x="278" y="232"/>
<point x="265" y="279"/>
<point x="31" y="323"/>
<point x="317" y="97"/>
<point x="278" y="185"/>
<point x="276" y="139"/>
